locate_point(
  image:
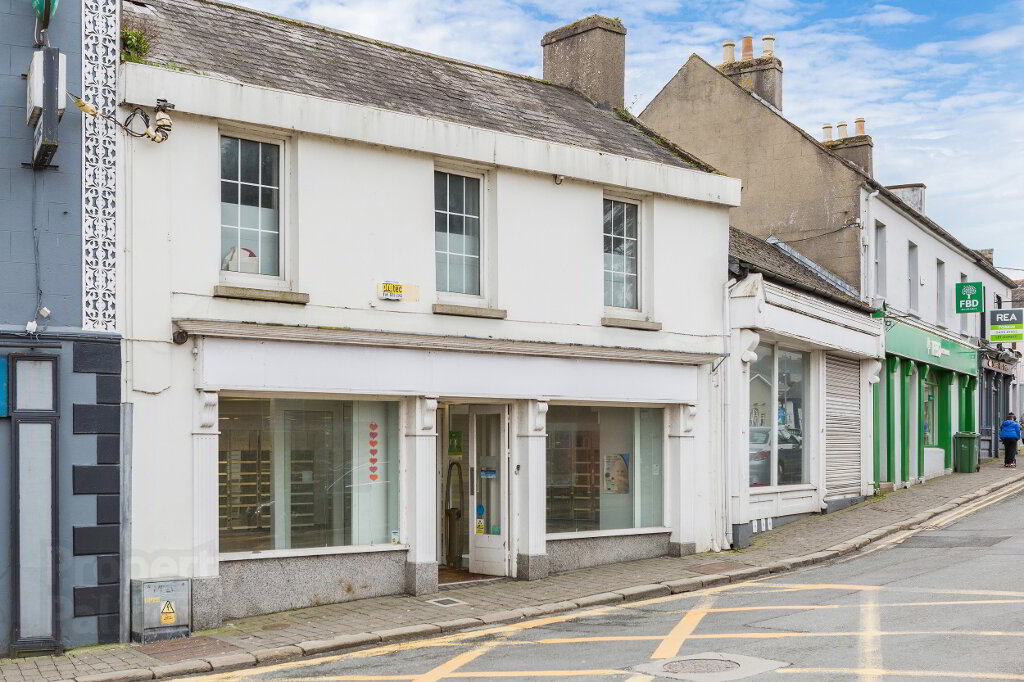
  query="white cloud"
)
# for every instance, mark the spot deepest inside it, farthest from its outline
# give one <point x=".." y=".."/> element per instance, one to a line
<point x="890" y="15"/>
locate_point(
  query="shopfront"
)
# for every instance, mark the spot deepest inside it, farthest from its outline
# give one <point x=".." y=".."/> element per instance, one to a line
<point x="926" y="394"/>
<point x="995" y="380"/>
<point x="328" y="471"/>
<point x="799" y="429"/>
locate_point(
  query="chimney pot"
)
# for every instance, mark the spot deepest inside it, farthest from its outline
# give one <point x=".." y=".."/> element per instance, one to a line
<point x="858" y="126"/>
<point x="589" y="56"/>
<point x="729" y="52"/>
<point x="827" y="132"/>
<point x="842" y="129"/>
<point x="768" y="42"/>
<point x="748" y="48"/>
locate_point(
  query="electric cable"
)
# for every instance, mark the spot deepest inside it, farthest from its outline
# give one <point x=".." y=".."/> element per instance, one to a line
<point x="91" y="110"/>
<point x="823" y="234"/>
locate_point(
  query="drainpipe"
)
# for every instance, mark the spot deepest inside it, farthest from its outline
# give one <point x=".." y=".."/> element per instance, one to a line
<point x="725" y="516"/>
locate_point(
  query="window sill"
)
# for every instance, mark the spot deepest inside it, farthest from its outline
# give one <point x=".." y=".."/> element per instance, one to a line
<point x="469" y="311"/>
<point x="255" y="294"/>
<point x="311" y="551"/>
<point x="618" y="532"/>
<point x="626" y="323"/>
<point x="789" y="488"/>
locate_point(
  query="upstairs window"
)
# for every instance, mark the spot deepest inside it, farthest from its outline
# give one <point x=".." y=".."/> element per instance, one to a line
<point x="621" y="254"/>
<point x="250" y="197"/>
<point x="457" y="233"/>
<point x="880" y="260"/>
<point x="940" y="292"/>
<point x="913" y="278"/>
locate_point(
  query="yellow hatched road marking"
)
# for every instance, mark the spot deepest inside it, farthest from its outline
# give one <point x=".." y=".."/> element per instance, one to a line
<point x="673" y="642"/>
<point x="870" y="645"/>
<point x="452" y="664"/>
<point x="883" y="672"/>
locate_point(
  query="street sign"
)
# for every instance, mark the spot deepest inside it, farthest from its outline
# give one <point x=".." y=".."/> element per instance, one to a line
<point x="1006" y="325"/>
<point x="970" y="297"/>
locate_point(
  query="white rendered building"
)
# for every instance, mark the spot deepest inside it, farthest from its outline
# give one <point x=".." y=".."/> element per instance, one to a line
<point x="394" y="318"/>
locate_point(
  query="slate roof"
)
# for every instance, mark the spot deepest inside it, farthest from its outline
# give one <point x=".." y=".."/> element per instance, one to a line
<point x="258" y="48"/>
<point x="775" y="264"/>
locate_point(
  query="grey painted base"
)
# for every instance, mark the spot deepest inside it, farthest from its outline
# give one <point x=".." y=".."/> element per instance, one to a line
<point x="741" y="534"/>
<point x="421" y="578"/>
<point x="206" y="600"/>
<point x="572" y="554"/>
<point x="253" y="587"/>
<point x="682" y="548"/>
<point x="842" y="503"/>
<point x="532" y="566"/>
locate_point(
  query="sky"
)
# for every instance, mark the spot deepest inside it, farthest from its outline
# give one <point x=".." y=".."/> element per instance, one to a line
<point x="940" y="82"/>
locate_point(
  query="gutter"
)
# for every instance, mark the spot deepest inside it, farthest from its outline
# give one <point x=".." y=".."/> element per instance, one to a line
<point x="781" y="279"/>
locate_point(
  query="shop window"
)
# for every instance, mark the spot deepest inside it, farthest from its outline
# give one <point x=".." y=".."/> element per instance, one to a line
<point x="929" y="416"/>
<point x="250" y="197"/>
<point x="298" y="474"/>
<point x="621" y="254"/>
<point x="457" y="233"/>
<point x="604" y="468"/>
<point x="779" y="403"/>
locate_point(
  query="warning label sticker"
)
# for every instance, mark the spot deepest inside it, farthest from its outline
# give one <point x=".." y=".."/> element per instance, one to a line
<point x="167" y="614"/>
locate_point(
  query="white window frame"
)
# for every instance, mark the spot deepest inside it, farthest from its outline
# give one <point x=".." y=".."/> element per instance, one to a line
<point x="281" y="281"/>
<point x="941" y="303"/>
<point x="477" y="300"/>
<point x="880" y="259"/>
<point x="813" y="399"/>
<point x="913" y="278"/>
<point x="640" y="311"/>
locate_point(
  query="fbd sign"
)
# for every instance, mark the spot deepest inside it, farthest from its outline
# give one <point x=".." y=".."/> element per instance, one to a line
<point x="1006" y="325"/>
<point x="970" y="297"/>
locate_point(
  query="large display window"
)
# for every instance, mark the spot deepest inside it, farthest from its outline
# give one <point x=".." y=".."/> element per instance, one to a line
<point x="779" y="404"/>
<point x="298" y="474"/>
<point x="604" y="468"/>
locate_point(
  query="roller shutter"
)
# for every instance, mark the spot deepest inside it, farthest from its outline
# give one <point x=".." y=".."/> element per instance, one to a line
<point x="842" y="427"/>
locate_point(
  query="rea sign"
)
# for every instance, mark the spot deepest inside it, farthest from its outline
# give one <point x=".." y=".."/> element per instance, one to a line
<point x="1006" y="325"/>
<point x="970" y="297"/>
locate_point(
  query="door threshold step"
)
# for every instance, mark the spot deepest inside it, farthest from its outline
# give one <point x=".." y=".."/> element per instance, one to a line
<point x="467" y="583"/>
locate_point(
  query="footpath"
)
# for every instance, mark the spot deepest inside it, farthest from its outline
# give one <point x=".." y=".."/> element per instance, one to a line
<point x="324" y="629"/>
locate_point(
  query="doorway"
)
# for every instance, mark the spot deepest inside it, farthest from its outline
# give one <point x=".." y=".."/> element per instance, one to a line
<point x="473" y="492"/>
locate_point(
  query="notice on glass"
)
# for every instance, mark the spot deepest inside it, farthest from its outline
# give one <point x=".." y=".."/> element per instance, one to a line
<point x="616" y="474"/>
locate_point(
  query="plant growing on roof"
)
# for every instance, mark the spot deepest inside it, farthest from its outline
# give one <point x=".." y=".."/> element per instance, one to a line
<point x="137" y="36"/>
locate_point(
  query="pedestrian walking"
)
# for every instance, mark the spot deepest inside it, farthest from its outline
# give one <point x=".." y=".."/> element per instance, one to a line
<point x="1009" y="432"/>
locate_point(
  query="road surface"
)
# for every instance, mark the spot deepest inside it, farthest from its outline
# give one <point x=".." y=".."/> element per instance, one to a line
<point x="942" y="603"/>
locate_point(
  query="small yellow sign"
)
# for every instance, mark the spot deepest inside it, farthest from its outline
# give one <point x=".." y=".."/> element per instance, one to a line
<point x="167" y="614"/>
<point x="480" y="530"/>
<point x="396" y="291"/>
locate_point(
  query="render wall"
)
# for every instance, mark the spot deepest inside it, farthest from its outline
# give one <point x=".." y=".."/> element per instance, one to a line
<point x="792" y="189"/>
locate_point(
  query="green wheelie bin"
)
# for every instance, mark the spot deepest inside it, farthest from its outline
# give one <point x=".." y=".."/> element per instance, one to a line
<point x="965" y="449"/>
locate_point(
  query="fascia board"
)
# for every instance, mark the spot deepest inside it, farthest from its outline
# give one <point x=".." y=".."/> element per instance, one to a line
<point x="213" y="97"/>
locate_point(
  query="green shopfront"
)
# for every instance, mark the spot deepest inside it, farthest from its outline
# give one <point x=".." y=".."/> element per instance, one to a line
<point x="925" y="394"/>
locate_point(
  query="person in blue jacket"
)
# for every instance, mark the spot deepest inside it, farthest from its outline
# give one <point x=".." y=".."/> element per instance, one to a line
<point x="1009" y="432"/>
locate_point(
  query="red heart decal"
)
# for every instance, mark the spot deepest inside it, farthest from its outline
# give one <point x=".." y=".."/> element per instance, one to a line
<point x="373" y="451"/>
<point x="373" y="477"/>
<point x="373" y="427"/>
<point x="373" y="460"/>
<point x="373" y="470"/>
<point x="373" y="434"/>
<point x="373" y="443"/>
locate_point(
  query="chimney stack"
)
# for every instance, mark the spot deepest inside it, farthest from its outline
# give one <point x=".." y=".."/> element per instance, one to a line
<point x="826" y="132"/>
<point x="729" y="52"/>
<point x="912" y="194"/>
<point x="762" y="75"/>
<point x="856" y="148"/>
<point x="589" y="56"/>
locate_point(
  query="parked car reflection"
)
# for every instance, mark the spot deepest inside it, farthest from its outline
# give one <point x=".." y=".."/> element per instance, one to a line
<point x="790" y="458"/>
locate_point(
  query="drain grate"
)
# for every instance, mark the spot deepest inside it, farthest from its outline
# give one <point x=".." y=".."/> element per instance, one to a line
<point x="700" y="665"/>
<point x="446" y="601"/>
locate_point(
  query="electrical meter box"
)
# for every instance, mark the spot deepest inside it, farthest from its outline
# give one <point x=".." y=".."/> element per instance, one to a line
<point x="161" y="609"/>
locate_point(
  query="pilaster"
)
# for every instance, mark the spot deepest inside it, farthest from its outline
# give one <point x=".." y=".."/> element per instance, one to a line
<point x="529" y="475"/>
<point x="419" y="492"/>
<point x="681" y="478"/>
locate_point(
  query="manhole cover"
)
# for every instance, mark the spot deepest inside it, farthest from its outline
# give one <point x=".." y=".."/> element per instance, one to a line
<point x="700" y="665"/>
<point x="710" y="666"/>
<point x="446" y="601"/>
